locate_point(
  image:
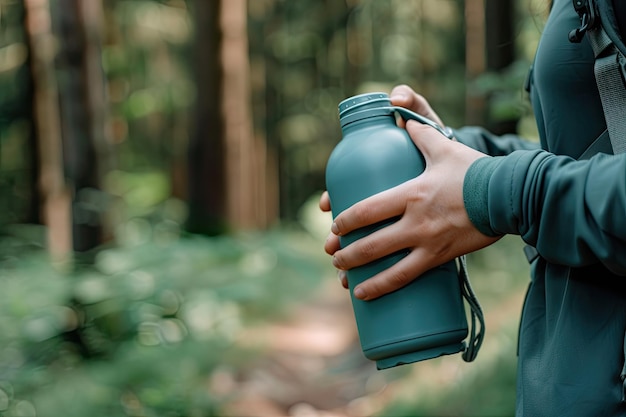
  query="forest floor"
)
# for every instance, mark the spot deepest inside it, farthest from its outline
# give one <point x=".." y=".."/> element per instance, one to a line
<point x="312" y="365"/>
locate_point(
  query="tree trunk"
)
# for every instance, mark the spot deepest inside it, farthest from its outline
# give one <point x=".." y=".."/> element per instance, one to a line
<point x="499" y="26"/>
<point x="475" y="60"/>
<point x="81" y="88"/>
<point x="207" y="178"/>
<point x="246" y="156"/>
<point x="54" y="193"/>
<point x="19" y="170"/>
<point x="268" y="24"/>
<point x="261" y="67"/>
<point x="230" y="170"/>
<point x="500" y="45"/>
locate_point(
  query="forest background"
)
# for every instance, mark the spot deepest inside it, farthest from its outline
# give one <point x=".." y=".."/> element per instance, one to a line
<point x="160" y="167"/>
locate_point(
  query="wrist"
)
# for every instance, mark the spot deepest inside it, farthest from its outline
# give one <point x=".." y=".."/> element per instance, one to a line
<point x="476" y="193"/>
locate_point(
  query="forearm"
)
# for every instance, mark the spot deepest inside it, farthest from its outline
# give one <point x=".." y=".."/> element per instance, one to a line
<point x="494" y="145"/>
<point x="571" y="211"/>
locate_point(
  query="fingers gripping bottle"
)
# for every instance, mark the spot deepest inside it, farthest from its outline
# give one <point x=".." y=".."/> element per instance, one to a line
<point x="426" y="318"/>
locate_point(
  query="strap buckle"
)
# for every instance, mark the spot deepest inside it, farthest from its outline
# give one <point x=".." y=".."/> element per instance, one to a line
<point x="531" y="253"/>
<point x="587" y="12"/>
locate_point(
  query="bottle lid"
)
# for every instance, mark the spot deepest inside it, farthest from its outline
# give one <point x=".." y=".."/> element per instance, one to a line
<point x="363" y="102"/>
<point x="369" y="105"/>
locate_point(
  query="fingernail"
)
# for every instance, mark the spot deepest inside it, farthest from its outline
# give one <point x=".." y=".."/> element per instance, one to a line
<point x="360" y="293"/>
<point x="342" y="277"/>
<point x="397" y="97"/>
<point x="334" y="228"/>
<point x="335" y="262"/>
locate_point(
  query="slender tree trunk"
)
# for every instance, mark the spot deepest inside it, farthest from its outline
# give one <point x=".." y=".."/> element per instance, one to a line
<point x="81" y="87"/>
<point x="499" y="26"/>
<point x="272" y="103"/>
<point x="475" y="60"/>
<point x="55" y="196"/>
<point x="25" y="111"/>
<point x="246" y="154"/>
<point x="33" y="214"/>
<point x="260" y="65"/>
<point x="207" y="155"/>
<point x="500" y="46"/>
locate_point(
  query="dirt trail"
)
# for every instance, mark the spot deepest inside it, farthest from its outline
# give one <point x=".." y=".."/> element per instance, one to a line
<point x="313" y="365"/>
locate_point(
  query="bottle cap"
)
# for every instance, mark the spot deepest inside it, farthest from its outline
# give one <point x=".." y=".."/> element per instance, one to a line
<point x="362" y="102"/>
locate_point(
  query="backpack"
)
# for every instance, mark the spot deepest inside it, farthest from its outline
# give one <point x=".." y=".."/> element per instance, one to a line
<point x="598" y="21"/>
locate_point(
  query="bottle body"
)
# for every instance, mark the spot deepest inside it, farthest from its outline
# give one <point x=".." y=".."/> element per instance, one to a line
<point x="426" y="318"/>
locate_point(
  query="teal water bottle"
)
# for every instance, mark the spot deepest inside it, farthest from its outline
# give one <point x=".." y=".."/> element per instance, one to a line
<point x="426" y="318"/>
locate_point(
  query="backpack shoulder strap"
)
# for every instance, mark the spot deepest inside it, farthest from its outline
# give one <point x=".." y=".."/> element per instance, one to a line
<point x="598" y="21"/>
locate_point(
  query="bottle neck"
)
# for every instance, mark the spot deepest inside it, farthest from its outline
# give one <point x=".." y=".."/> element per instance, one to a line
<point x="378" y="121"/>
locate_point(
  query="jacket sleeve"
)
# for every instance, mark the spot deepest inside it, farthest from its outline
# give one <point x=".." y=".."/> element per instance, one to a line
<point x="573" y="212"/>
<point x="490" y="144"/>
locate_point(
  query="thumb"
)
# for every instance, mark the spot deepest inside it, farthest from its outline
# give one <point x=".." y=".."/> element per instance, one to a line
<point x="427" y="139"/>
<point x="405" y="96"/>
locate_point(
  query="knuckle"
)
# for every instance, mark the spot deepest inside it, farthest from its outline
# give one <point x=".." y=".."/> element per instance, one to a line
<point x="367" y="249"/>
<point x="361" y="214"/>
<point x="375" y="288"/>
<point x="441" y="253"/>
<point x="400" y="278"/>
<point x="428" y="231"/>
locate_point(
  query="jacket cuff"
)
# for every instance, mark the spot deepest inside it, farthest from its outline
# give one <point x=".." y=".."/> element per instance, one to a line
<point x="476" y="193"/>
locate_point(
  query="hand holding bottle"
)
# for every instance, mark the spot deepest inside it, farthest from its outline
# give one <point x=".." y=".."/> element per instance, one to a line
<point x="433" y="223"/>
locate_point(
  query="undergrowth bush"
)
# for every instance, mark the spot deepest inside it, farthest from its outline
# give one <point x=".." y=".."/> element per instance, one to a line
<point x="142" y="330"/>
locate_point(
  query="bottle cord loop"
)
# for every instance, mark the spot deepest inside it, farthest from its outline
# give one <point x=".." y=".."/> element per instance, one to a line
<point x="477" y="317"/>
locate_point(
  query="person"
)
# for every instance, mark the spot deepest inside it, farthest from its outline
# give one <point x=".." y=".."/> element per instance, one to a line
<point x="572" y="339"/>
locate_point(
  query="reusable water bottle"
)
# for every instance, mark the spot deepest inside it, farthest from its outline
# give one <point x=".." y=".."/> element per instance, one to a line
<point x="426" y="318"/>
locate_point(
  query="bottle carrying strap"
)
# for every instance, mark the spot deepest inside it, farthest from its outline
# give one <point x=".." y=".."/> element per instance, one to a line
<point x="476" y="336"/>
<point x="407" y="114"/>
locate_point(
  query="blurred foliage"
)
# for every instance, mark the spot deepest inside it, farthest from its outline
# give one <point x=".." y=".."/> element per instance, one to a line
<point x="148" y="328"/>
<point x="156" y="325"/>
<point x="317" y="53"/>
<point x="504" y="91"/>
<point x="305" y="57"/>
<point x="149" y="80"/>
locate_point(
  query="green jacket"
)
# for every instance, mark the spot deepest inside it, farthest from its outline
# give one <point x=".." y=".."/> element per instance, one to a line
<point x="573" y="327"/>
